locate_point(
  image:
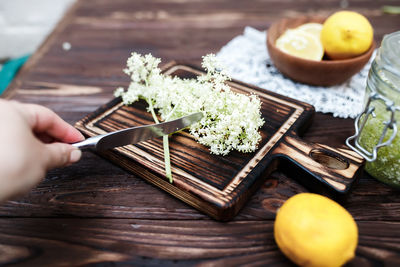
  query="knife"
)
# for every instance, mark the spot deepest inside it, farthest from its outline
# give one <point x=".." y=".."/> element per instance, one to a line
<point x="136" y="134"/>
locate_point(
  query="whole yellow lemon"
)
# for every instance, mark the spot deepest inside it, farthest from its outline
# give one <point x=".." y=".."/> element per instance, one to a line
<point x="313" y="230"/>
<point x="346" y="34"/>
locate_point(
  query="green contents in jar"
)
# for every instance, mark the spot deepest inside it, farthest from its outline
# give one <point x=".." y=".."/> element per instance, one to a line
<point x="383" y="93"/>
<point x="386" y="167"/>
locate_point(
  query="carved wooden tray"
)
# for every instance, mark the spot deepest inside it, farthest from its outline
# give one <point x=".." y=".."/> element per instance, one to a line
<point x="220" y="185"/>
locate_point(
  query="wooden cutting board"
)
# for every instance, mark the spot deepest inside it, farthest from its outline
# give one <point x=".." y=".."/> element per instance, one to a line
<point x="220" y="185"/>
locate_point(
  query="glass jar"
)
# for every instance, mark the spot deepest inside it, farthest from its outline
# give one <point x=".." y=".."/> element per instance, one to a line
<point x="377" y="136"/>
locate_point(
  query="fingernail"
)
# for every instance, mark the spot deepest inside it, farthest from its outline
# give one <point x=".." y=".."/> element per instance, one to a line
<point x="75" y="155"/>
<point x="81" y="136"/>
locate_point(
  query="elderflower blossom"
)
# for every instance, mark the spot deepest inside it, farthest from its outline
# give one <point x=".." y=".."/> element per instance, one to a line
<point x="231" y="120"/>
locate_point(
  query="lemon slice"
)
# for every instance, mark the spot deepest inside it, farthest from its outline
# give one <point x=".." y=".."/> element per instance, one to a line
<point x="313" y="28"/>
<point x="300" y="44"/>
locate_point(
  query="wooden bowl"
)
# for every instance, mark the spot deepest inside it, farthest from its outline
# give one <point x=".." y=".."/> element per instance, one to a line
<point x="321" y="73"/>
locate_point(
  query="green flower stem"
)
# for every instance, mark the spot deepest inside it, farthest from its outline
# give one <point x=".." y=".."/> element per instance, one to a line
<point x="167" y="159"/>
<point x="152" y="111"/>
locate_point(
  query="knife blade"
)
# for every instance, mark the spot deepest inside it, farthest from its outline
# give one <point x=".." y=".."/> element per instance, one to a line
<point x="136" y="134"/>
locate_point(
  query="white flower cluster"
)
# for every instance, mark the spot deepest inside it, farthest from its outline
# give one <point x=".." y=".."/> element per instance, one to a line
<point x="231" y="120"/>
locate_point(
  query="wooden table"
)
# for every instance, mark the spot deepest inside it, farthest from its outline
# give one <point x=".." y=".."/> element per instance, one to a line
<point x="95" y="212"/>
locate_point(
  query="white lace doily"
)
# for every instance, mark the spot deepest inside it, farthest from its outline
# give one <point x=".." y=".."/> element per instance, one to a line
<point x="246" y="58"/>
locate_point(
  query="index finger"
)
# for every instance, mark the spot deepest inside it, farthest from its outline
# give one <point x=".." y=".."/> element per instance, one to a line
<point x="44" y="121"/>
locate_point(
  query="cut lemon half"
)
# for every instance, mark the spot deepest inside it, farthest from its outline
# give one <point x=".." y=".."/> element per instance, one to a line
<point x="300" y="44"/>
<point x="312" y="27"/>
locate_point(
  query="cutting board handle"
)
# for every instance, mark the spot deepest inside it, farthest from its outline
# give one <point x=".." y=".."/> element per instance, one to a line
<point x="334" y="167"/>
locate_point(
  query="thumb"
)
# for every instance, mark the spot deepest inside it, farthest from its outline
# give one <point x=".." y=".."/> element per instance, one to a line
<point x="60" y="155"/>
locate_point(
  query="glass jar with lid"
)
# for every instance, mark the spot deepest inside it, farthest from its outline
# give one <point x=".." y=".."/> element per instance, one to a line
<point x="377" y="136"/>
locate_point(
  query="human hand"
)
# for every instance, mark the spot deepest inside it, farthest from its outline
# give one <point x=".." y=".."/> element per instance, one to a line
<point x="33" y="140"/>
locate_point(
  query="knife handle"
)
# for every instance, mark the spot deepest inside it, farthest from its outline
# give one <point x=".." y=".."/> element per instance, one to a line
<point x="88" y="143"/>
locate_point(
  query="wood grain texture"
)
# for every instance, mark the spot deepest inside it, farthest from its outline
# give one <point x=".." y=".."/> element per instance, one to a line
<point x="58" y="220"/>
<point x="167" y="242"/>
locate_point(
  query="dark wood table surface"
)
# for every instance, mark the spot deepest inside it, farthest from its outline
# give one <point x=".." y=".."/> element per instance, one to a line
<point x="94" y="212"/>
